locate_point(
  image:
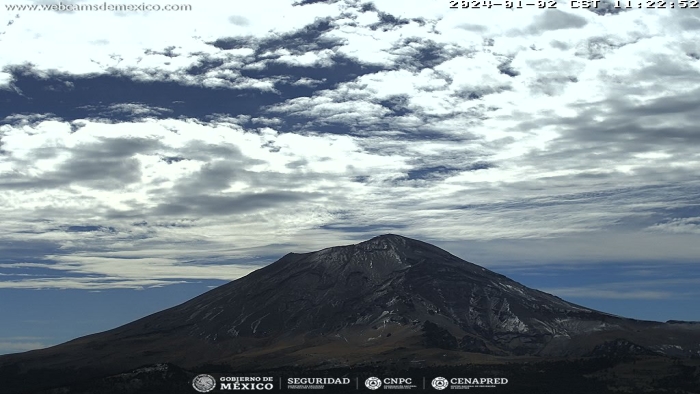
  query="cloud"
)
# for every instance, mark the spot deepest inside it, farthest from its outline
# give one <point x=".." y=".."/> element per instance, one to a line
<point x="5" y="80"/>
<point x="238" y="20"/>
<point x="679" y="225"/>
<point x="557" y="20"/>
<point x="610" y="294"/>
<point x="133" y="109"/>
<point x="528" y="135"/>
<point x="203" y="204"/>
<point x="107" y="164"/>
<point x="657" y="289"/>
<point x="96" y="279"/>
<point x="12" y="345"/>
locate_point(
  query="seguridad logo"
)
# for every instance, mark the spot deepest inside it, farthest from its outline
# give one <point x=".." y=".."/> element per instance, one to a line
<point x="315" y="383"/>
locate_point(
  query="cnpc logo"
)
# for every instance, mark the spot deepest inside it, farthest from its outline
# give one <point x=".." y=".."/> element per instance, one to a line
<point x="374" y="382"/>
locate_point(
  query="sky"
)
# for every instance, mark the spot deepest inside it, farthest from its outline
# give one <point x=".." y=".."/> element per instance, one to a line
<point x="149" y="156"/>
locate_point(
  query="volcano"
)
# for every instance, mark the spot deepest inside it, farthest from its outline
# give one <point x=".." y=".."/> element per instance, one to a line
<point x="386" y="299"/>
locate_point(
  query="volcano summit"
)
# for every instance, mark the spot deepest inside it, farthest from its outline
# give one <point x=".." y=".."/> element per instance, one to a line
<point x="388" y="299"/>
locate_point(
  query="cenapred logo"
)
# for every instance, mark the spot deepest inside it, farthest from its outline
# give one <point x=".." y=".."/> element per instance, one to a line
<point x="440" y="383"/>
<point x="204" y="383"/>
<point x="373" y="383"/>
<point x="467" y="383"/>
